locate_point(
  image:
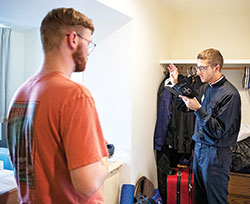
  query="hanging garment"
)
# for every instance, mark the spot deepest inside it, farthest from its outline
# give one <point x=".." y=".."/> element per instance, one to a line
<point x="181" y="128"/>
<point x="241" y="155"/>
<point x="173" y="132"/>
<point x="173" y="127"/>
<point x="246" y="78"/>
<point x="163" y="116"/>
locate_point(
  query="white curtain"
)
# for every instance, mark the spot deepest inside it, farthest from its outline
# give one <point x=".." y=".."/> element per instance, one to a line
<point x="4" y="70"/>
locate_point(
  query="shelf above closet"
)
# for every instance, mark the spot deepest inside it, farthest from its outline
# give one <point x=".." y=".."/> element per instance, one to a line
<point x="228" y="64"/>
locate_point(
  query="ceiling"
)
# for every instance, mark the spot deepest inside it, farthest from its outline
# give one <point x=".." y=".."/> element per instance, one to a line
<point x="27" y="14"/>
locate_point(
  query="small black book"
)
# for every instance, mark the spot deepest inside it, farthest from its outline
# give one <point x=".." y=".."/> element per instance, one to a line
<point x="183" y="88"/>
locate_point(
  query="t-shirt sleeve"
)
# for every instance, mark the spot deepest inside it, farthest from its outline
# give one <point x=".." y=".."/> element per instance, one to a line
<point x="81" y="133"/>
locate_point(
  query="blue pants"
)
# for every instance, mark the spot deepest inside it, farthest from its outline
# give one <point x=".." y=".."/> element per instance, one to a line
<point x="211" y="173"/>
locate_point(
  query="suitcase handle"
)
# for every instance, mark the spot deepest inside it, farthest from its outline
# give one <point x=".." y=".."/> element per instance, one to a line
<point x="178" y="192"/>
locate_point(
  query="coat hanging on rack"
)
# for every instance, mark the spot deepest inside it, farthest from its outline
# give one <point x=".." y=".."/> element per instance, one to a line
<point x="246" y="78"/>
<point x="174" y="127"/>
<point x="173" y="131"/>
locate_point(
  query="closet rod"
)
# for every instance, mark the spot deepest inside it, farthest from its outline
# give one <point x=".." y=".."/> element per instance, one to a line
<point x="232" y="68"/>
<point x="165" y="67"/>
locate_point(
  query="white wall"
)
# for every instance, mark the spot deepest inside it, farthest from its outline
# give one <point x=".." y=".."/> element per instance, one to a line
<point x="108" y="76"/>
<point x="245" y="101"/>
<point x="226" y="30"/>
<point x="196" y="30"/>
<point x="236" y="76"/>
<point x="25" y="58"/>
<point x="33" y="55"/>
<point x="16" y="68"/>
<point x="150" y="42"/>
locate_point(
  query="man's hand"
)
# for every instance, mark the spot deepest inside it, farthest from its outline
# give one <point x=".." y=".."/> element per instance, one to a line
<point x="173" y="71"/>
<point x="191" y="103"/>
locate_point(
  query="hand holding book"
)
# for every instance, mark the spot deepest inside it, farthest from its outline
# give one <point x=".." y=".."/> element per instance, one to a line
<point x="191" y="103"/>
<point x="186" y="92"/>
<point x="183" y="88"/>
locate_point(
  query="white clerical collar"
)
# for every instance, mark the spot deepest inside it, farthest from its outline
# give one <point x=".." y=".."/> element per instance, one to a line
<point x="211" y="84"/>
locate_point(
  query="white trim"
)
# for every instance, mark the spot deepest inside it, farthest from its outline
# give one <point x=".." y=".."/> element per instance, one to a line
<point x="188" y="61"/>
<point x="173" y="61"/>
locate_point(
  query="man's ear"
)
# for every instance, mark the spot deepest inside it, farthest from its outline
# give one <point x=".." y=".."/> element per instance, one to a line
<point x="217" y="67"/>
<point x="72" y="39"/>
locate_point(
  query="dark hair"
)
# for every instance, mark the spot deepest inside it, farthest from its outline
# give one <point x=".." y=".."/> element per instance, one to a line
<point x="59" y="21"/>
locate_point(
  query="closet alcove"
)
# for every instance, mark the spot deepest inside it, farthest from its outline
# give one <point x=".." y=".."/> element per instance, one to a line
<point x="239" y="189"/>
<point x="234" y="72"/>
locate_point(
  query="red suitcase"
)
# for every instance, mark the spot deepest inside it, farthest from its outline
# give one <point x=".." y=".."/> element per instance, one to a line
<point x="180" y="187"/>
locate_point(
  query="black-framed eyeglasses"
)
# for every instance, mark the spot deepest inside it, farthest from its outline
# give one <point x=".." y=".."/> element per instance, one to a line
<point x="91" y="45"/>
<point x="201" y="68"/>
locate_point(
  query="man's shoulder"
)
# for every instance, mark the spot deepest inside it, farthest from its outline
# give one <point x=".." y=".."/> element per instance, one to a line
<point x="56" y="84"/>
<point x="67" y="86"/>
<point x="81" y="89"/>
<point x="231" y="88"/>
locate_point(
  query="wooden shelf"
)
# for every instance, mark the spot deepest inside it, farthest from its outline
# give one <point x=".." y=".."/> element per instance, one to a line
<point x="228" y="64"/>
<point x="169" y="61"/>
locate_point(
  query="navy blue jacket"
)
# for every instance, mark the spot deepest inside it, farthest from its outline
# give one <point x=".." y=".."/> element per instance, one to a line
<point x="218" y="120"/>
<point x="164" y="115"/>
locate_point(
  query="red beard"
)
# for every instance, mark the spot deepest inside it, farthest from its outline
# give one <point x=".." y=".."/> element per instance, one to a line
<point x="79" y="59"/>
